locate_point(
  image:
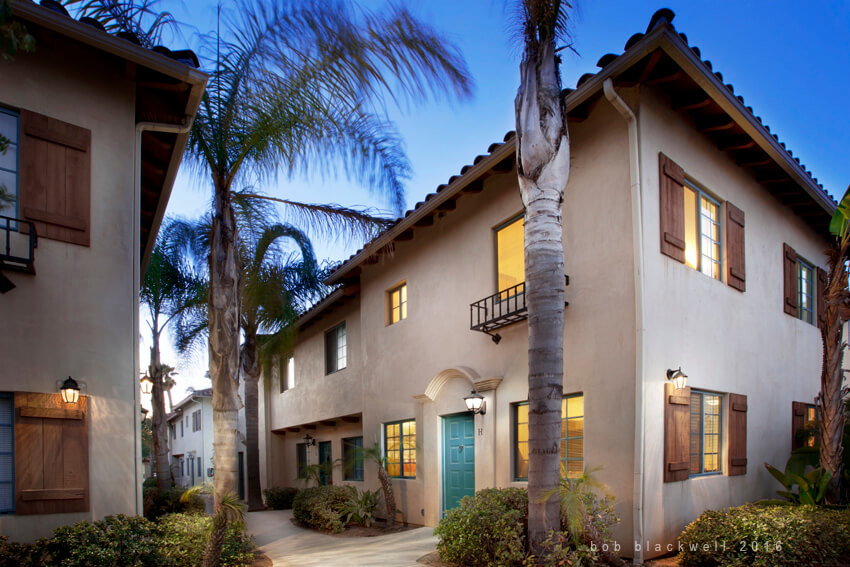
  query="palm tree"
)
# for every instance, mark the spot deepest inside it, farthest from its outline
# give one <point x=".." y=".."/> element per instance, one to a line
<point x="830" y="400"/>
<point x="375" y="455"/>
<point x="229" y="509"/>
<point x="543" y="167"/>
<point x="298" y="87"/>
<point x="169" y="290"/>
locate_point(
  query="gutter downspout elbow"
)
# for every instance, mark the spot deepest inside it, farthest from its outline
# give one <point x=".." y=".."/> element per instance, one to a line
<point x="637" y="241"/>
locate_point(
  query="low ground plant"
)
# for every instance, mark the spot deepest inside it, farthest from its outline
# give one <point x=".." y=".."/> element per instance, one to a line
<point x="184" y="537"/>
<point x="361" y="507"/>
<point x="170" y="501"/>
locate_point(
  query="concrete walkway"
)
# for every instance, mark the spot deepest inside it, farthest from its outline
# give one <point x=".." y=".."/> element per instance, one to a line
<point x="288" y="545"/>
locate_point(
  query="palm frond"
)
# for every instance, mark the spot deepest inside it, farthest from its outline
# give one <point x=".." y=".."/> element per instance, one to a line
<point x="142" y="18"/>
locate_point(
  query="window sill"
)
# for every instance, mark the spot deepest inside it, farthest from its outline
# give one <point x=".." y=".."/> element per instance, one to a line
<point x="706" y="475"/>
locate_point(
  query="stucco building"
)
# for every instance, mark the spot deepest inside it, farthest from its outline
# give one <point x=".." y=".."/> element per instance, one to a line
<point x="97" y="126"/>
<point x="692" y="238"/>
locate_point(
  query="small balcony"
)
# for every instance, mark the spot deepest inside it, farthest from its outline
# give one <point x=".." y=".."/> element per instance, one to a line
<point x="500" y="310"/>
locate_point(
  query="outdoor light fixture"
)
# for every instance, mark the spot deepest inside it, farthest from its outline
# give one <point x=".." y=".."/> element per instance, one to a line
<point x="147" y="384"/>
<point x="309" y="441"/>
<point x="70" y="391"/>
<point x="475" y="403"/>
<point x="679" y="378"/>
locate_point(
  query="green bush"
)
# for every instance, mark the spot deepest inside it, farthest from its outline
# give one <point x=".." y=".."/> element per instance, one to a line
<point x="488" y="529"/>
<point x="115" y="540"/>
<point x="184" y="537"/>
<point x="321" y="507"/>
<point x="149" y="483"/>
<point x="160" y="502"/>
<point x="280" y="498"/>
<point x="767" y="536"/>
<point x="361" y="506"/>
<point x="21" y="554"/>
<point x="559" y="550"/>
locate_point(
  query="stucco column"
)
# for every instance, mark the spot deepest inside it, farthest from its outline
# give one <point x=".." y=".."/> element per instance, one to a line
<point x="485" y="435"/>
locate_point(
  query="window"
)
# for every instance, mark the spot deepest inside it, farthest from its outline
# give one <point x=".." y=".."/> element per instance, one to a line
<point x="287" y="373"/>
<point x="9" y="160"/>
<point x="335" y="357"/>
<point x="7" y="453"/>
<point x="803" y="425"/>
<point x="509" y="244"/>
<point x="705" y="433"/>
<point x="181" y="427"/>
<point x="196" y="420"/>
<point x="397" y="304"/>
<point x="702" y="232"/>
<point x="173" y="431"/>
<point x="352" y="458"/>
<point x="805" y="291"/>
<point x="572" y="437"/>
<point x="400" y="448"/>
<point x="182" y="467"/>
<point x="301" y="460"/>
<point x="200" y="473"/>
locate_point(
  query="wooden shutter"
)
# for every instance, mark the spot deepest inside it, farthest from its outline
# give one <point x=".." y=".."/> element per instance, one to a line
<point x="51" y="454"/>
<point x="677" y="431"/>
<point x="789" y="266"/>
<point x="798" y="422"/>
<point x="821" y="290"/>
<point x="737" y="434"/>
<point x="672" y="203"/>
<point x="55" y="177"/>
<point x="736" y="266"/>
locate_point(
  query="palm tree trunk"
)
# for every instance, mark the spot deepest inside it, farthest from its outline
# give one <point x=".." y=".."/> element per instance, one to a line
<point x="251" y="373"/>
<point x="543" y="165"/>
<point x="223" y="313"/>
<point x="832" y="392"/>
<point x="158" y="425"/>
<point x="212" y="553"/>
<point x="389" y="494"/>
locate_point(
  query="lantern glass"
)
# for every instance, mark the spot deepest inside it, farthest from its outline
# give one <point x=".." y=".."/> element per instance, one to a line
<point x="147" y="385"/>
<point x="70" y="391"/>
<point x="474" y="401"/>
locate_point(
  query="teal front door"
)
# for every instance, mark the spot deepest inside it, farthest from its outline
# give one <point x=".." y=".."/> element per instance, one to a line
<point x="325" y="461"/>
<point x="458" y="459"/>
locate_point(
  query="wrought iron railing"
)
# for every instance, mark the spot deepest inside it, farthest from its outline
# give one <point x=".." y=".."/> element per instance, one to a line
<point x="501" y="309"/>
<point x="19" y="241"/>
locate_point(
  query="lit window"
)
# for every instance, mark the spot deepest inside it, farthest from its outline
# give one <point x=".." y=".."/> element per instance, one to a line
<point x="397" y="304"/>
<point x="706" y="432"/>
<point x="805" y="291"/>
<point x="400" y="448"/>
<point x="572" y="437"/>
<point x="510" y="258"/>
<point x="335" y="349"/>
<point x="287" y="373"/>
<point x="702" y="232"/>
<point x="9" y="160"/>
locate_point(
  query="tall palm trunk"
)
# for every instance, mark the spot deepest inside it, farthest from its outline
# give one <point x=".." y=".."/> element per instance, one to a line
<point x="389" y="494"/>
<point x="158" y="425"/>
<point x="832" y="392"/>
<point x="223" y="313"/>
<point x="251" y="374"/>
<point x="543" y="165"/>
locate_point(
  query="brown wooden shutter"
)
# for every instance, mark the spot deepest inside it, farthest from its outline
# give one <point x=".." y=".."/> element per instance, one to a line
<point x="51" y="454"/>
<point x="736" y="266"/>
<point x="789" y="266"/>
<point x="821" y="298"/>
<point x="798" y="422"/>
<point x="737" y="434"/>
<point x="55" y="178"/>
<point x="672" y="202"/>
<point x="677" y="431"/>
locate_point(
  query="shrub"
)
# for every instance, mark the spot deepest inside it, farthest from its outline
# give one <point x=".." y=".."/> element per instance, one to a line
<point x="360" y="507"/>
<point x="767" y="535"/>
<point x="115" y="540"/>
<point x="487" y="529"/>
<point x="321" y="507"/>
<point x="149" y="483"/>
<point x="559" y="550"/>
<point x="160" y="502"/>
<point x="184" y="537"/>
<point x="21" y="554"/>
<point x="279" y="498"/>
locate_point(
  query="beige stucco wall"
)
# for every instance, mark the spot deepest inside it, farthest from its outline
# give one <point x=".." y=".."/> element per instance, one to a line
<point x="726" y="341"/>
<point x="77" y="315"/>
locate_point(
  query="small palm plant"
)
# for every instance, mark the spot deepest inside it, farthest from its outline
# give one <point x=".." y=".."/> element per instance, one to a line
<point x="228" y="509"/>
<point x="375" y="455"/>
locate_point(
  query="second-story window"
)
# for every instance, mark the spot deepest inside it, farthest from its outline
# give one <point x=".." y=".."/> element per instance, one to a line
<point x="287" y="372"/>
<point x="509" y="243"/>
<point x="397" y="304"/>
<point x="196" y="420"/>
<point x="806" y="291"/>
<point x="335" y="349"/>
<point x="9" y="160"/>
<point x="702" y="232"/>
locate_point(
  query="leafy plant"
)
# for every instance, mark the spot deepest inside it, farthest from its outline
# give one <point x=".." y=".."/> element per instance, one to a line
<point x="811" y="486"/>
<point x="321" y="507"/>
<point x="184" y="537"/>
<point x="14" y="36"/>
<point x="360" y="507"/>
<point x="278" y="498"/>
<point x="158" y="502"/>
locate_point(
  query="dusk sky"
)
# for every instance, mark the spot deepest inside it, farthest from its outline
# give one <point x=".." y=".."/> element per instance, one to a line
<point x="789" y="60"/>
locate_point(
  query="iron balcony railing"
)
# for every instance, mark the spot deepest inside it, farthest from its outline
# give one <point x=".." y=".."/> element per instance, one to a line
<point x="500" y="310"/>
<point x="19" y="241"/>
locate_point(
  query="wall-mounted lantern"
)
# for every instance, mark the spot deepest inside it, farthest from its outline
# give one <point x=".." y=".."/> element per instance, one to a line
<point x="147" y="384"/>
<point x="309" y="441"/>
<point x="70" y="391"/>
<point x="678" y="378"/>
<point x="475" y="403"/>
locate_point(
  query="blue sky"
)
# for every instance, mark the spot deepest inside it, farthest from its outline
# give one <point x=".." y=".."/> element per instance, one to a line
<point x="788" y="60"/>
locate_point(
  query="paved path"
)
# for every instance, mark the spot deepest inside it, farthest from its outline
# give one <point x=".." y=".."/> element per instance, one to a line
<point x="290" y="546"/>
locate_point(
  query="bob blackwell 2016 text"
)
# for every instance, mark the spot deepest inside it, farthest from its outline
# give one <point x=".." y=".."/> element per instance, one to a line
<point x="716" y="545"/>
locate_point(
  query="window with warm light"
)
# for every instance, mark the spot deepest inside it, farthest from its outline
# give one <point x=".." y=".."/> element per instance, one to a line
<point x="805" y="291"/>
<point x="397" y="304"/>
<point x="287" y="372"/>
<point x="702" y="232"/>
<point x="706" y="433"/>
<point x="509" y="241"/>
<point x="335" y="349"/>
<point x="572" y="437"/>
<point x="400" y="448"/>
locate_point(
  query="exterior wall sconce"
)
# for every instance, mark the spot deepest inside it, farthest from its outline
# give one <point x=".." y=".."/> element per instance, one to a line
<point x="475" y="403"/>
<point x="309" y="441"/>
<point x="678" y="378"/>
<point x="70" y="391"/>
<point x="147" y="384"/>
